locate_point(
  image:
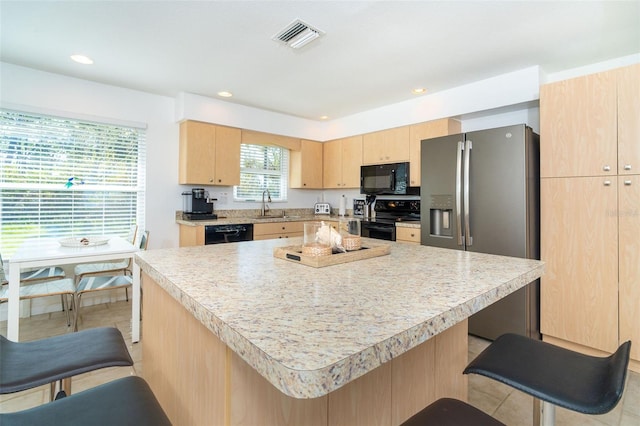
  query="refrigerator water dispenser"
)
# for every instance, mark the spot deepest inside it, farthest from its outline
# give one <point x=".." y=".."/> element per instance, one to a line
<point x="441" y="211"/>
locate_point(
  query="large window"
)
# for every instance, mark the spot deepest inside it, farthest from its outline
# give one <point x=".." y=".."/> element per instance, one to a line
<point x="262" y="167"/>
<point x="62" y="177"/>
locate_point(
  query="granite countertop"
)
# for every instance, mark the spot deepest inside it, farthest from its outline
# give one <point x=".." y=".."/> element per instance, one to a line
<point x="308" y="330"/>
<point x="305" y="217"/>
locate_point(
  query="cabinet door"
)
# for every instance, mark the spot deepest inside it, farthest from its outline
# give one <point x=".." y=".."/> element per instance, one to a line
<point x="417" y="133"/>
<point x="332" y="164"/>
<point x="629" y="261"/>
<point x="579" y="244"/>
<point x="197" y="153"/>
<point x="227" y="161"/>
<point x="629" y="120"/>
<point x="578" y="123"/>
<point x="351" y="161"/>
<point x="306" y="166"/>
<point x="386" y="146"/>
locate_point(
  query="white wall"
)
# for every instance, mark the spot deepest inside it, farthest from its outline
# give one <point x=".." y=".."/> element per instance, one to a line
<point x="39" y="91"/>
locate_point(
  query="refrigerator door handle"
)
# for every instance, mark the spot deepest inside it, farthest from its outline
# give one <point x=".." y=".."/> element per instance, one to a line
<point x="459" y="193"/>
<point x="467" y="226"/>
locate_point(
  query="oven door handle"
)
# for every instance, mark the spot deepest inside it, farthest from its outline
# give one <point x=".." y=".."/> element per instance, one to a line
<point x="380" y="228"/>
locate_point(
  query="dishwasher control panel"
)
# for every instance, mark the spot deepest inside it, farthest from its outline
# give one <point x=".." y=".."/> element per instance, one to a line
<point x="322" y="208"/>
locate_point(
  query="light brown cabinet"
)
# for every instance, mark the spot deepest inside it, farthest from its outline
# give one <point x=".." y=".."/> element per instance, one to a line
<point x="579" y="244"/>
<point x="418" y="132"/>
<point x="408" y="235"/>
<point x="590" y="210"/>
<point x="386" y="146"/>
<point x="342" y="161"/>
<point x="191" y="236"/>
<point x="267" y="231"/>
<point x="305" y="166"/>
<point x="629" y="262"/>
<point x="209" y="154"/>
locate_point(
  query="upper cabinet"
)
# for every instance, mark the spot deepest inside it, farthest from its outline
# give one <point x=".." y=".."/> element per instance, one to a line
<point x="386" y="146"/>
<point x="305" y="166"/>
<point x="342" y="161"/>
<point x="628" y="79"/>
<point x="209" y="154"/>
<point x="589" y="125"/>
<point x="418" y="132"/>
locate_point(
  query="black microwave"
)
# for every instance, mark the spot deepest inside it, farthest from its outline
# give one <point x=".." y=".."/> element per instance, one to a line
<point x="386" y="179"/>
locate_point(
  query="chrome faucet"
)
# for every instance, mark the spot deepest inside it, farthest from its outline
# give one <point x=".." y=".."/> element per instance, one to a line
<point x="265" y="207"/>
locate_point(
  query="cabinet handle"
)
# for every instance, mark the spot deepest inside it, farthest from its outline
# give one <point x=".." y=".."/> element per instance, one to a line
<point x="304" y="184"/>
<point x="210" y="179"/>
<point x="627" y="182"/>
<point x="606" y="168"/>
<point x="627" y="166"/>
<point x="219" y="180"/>
<point x="607" y="183"/>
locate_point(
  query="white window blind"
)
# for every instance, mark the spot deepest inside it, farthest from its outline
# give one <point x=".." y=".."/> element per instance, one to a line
<point x="262" y="167"/>
<point x="62" y="177"/>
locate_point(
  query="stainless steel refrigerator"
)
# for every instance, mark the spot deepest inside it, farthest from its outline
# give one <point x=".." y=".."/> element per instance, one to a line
<point x="480" y="192"/>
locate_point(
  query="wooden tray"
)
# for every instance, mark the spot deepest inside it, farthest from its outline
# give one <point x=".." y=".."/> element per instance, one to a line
<point x="294" y="254"/>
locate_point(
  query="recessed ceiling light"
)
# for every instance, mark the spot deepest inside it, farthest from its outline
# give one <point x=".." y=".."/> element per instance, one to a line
<point x="225" y="94"/>
<point x="324" y="117"/>
<point x="419" y="91"/>
<point x="82" y="59"/>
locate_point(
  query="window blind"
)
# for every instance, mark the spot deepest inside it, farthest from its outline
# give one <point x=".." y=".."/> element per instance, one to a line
<point x="63" y="177"/>
<point x="262" y="167"/>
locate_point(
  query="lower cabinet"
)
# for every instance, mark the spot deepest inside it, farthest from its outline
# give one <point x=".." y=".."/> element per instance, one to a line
<point x="267" y="231"/>
<point x="589" y="291"/>
<point x="191" y="236"/>
<point x="408" y="235"/>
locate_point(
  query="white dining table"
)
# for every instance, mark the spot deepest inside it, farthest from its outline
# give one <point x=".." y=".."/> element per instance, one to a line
<point x="41" y="251"/>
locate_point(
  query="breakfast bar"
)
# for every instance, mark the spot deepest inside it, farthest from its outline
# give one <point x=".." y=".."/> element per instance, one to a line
<point x="232" y="335"/>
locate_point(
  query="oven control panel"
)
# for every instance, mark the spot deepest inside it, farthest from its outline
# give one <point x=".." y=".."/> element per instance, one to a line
<point x="322" y="208"/>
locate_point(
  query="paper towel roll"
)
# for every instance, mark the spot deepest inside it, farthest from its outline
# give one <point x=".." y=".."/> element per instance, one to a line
<point x="343" y="206"/>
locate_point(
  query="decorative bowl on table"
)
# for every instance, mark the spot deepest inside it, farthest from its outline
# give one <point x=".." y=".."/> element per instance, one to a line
<point x="83" y="241"/>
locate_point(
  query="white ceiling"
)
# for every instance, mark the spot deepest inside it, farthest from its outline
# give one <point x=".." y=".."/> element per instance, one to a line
<point x="372" y="54"/>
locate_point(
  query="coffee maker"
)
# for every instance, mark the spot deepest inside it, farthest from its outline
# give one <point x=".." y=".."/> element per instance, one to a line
<point x="197" y="205"/>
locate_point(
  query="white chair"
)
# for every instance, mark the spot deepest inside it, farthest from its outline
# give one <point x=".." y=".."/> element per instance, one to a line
<point x="105" y="282"/>
<point x="52" y="273"/>
<point x="122" y="267"/>
<point x="63" y="287"/>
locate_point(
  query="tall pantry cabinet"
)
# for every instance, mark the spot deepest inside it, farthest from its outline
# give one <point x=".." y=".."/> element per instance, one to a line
<point x="590" y="211"/>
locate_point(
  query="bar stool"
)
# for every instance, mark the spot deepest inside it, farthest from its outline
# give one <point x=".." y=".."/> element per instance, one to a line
<point x="26" y="365"/>
<point x="451" y="412"/>
<point x="124" y="402"/>
<point x="554" y="375"/>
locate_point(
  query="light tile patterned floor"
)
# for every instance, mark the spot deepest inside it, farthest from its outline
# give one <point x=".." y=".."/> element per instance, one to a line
<point x="502" y="402"/>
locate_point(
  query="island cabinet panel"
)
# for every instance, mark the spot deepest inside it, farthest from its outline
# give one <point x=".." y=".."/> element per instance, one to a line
<point x="254" y="401"/>
<point x="305" y="171"/>
<point x="183" y="364"/>
<point x="198" y="380"/>
<point x="342" y="161"/>
<point x="427" y="130"/>
<point x="386" y="146"/>
<point x="209" y="154"/>
<point x="579" y="291"/>
<point x="267" y="231"/>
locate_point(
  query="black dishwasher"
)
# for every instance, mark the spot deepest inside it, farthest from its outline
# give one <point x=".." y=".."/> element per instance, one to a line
<point x="219" y="234"/>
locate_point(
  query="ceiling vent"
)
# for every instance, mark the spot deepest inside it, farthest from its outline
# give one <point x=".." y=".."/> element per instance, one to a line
<point x="297" y="34"/>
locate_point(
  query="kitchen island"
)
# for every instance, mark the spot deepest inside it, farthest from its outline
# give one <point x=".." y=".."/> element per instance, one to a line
<point x="232" y="335"/>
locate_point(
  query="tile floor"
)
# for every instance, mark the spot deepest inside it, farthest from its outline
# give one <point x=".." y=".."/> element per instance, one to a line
<point x="502" y="402"/>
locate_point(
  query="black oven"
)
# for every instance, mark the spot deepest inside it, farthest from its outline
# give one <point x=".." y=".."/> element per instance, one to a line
<point x="379" y="230"/>
<point x="387" y="213"/>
